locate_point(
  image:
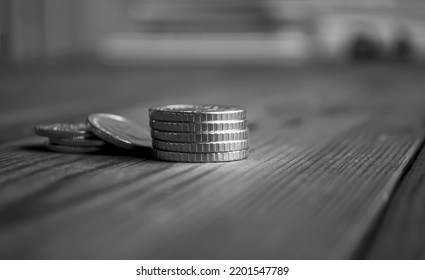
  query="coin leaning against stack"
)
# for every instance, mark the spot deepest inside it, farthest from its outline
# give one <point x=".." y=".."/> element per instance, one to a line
<point x="199" y="133"/>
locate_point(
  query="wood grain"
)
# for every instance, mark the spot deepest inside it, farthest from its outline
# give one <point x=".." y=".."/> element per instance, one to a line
<point x="400" y="233"/>
<point x="328" y="148"/>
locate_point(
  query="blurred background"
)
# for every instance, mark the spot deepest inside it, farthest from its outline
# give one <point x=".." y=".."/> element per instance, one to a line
<point x="271" y="31"/>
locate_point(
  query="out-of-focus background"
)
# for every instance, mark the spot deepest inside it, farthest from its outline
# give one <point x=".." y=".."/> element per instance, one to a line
<point x="275" y="31"/>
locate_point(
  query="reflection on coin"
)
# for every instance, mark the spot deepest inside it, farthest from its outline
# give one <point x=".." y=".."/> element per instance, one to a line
<point x="200" y="157"/>
<point x="119" y="131"/>
<point x="210" y="147"/>
<point x="214" y="136"/>
<point x="198" y="127"/>
<point x="63" y="130"/>
<point x="196" y="113"/>
<point x="71" y="149"/>
<point x="77" y="142"/>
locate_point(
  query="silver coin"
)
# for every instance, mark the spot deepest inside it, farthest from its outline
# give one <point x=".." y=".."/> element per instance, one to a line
<point x="63" y="130"/>
<point x="229" y="135"/>
<point x="77" y="142"/>
<point x="72" y="149"/>
<point x="119" y="131"/>
<point x="198" y="127"/>
<point x="196" y="113"/>
<point x="209" y="147"/>
<point x="200" y="157"/>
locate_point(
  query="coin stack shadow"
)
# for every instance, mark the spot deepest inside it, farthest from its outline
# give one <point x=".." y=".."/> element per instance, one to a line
<point x="204" y="133"/>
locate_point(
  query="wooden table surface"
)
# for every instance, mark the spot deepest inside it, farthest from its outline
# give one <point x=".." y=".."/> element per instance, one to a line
<point x="336" y="169"/>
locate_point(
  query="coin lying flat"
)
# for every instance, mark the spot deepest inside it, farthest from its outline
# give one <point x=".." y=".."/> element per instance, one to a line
<point x="229" y="135"/>
<point x="119" y="131"/>
<point x="209" y="147"/>
<point x="198" y="127"/>
<point x="72" y="149"/>
<point x="196" y="113"/>
<point x="200" y="157"/>
<point x="63" y="130"/>
<point x="77" y="142"/>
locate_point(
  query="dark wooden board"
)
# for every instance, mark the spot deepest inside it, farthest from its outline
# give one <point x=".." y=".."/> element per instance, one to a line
<point x="400" y="233"/>
<point x="328" y="148"/>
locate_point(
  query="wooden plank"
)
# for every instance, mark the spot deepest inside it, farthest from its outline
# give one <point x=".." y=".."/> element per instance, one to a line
<point x="294" y="198"/>
<point x="326" y="156"/>
<point x="400" y="233"/>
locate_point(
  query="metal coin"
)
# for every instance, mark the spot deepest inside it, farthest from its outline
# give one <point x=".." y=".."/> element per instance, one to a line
<point x="198" y="127"/>
<point x="72" y="149"/>
<point x="77" y="142"/>
<point x="63" y="130"/>
<point x="200" y="157"/>
<point x="119" y="131"/>
<point x="196" y="113"/>
<point x="230" y="135"/>
<point x="210" y="147"/>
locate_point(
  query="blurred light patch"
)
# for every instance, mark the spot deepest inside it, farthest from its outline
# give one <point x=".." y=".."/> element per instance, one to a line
<point x="245" y="48"/>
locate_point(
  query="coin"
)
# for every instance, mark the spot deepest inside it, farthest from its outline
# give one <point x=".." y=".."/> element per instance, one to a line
<point x="196" y="113"/>
<point x="63" y="130"/>
<point x="198" y="127"/>
<point x="228" y="135"/>
<point x="200" y="157"/>
<point x="209" y="147"/>
<point x="119" y="131"/>
<point x="72" y="149"/>
<point x="77" y="142"/>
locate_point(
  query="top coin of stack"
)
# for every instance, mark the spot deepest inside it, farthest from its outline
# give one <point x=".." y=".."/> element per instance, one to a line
<point x="199" y="133"/>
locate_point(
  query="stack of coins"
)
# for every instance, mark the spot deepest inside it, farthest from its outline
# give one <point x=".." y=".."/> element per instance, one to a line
<point x="199" y="133"/>
<point x="70" y="138"/>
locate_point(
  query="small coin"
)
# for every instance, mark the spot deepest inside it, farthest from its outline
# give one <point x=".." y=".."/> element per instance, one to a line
<point x="72" y="149"/>
<point x="200" y="157"/>
<point x="63" y="130"/>
<point x="196" y="113"/>
<point x="209" y="147"/>
<point x="230" y="135"/>
<point x="77" y="142"/>
<point x="119" y="131"/>
<point x="198" y="127"/>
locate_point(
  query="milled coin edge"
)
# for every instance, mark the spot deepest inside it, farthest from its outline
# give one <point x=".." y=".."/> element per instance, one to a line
<point x="201" y="157"/>
<point x="42" y="131"/>
<point x="198" y="127"/>
<point x="77" y="142"/>
<point x="161" y="113"/>
<point x="72" y="149"/>
<point x="201" y="147"/>
<point x="196" y="137"/>
<point x="108" y="137"/>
